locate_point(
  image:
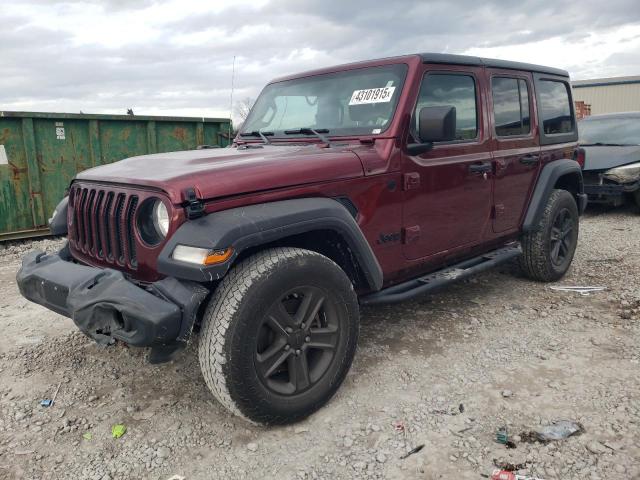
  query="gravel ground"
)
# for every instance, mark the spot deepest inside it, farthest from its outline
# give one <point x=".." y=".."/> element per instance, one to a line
<point x="445" y="371"/>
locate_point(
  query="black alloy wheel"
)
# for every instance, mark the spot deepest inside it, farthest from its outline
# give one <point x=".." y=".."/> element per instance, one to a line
<point x="561" y="236"/>
<point x="297" y="341"/>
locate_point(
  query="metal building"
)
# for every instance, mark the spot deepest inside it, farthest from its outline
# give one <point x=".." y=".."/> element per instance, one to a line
<point x="608" y="95"/>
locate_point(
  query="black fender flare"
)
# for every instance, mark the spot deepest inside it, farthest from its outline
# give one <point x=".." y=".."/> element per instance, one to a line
<point x="254" y="225"/>
<point x="549" y="175"/>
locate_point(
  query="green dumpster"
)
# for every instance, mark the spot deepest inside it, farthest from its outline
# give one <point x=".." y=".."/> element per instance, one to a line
<point x="41" y="152"/>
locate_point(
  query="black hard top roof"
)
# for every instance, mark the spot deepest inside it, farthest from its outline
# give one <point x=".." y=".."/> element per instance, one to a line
<point x="489" y="62"/>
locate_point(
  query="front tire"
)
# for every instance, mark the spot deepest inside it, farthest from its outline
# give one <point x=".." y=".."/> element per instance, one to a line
<point x="549" y="248"/>
<point x="279" y="335"/>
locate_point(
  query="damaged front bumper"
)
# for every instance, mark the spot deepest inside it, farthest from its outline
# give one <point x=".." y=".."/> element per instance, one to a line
<point x="106" y="306"/>
<point x="610" y="193"/>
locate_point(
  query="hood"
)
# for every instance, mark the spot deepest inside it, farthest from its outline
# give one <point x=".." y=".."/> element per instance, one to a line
<point x="604" y="158"/>
<point x="230" y="171"/>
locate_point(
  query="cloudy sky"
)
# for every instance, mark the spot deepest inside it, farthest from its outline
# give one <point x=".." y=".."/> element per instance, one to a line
<point x="175" y="57"/>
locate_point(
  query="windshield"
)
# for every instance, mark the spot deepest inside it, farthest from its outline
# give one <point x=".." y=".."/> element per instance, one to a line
<point x="611" y="131"/>
<point x="353" y="102"/>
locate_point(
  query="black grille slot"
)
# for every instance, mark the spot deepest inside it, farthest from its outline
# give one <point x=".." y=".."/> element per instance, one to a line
<point x="118" y="226"/>
<point x="105" y="224"/>
<point x="97" y="218"/>
<point x="90" y="222"/>
<point x="131" y="239"/>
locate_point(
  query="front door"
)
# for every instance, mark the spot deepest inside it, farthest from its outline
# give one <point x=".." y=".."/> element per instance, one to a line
<point x="517" y="151"/>
<point x="447" y="202"/>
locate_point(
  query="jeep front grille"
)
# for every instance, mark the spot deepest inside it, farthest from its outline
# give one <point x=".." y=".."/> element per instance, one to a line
<point x="102" y="224"/>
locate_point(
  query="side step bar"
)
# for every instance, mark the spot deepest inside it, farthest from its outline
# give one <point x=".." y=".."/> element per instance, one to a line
<point x="440" y="278"/>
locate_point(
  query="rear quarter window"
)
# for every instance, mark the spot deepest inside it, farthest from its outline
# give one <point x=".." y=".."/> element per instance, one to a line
<point x="555" y="107"/>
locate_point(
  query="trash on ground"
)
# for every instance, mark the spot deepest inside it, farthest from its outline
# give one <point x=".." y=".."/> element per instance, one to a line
<point x="558" y="430"/>
<point x="507" y="475"/>
<point x="585" y="291"/>
<point x="176" y="477"/>
<point x="412" y="451"/>
<point x="49" y="402"/>
<point x="118" y="430"/>
<point x="508" y="466"/>
<point x="87" y="435"/>
<point x="398" y="426"/>
<point x="502" y="436"/>
<point x="461" y="408"/>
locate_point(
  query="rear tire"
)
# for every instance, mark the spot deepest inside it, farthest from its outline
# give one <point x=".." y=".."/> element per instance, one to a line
<point x="549" y="248"/>
<point x="636" y="197"/>
<point x="279" y="335"/>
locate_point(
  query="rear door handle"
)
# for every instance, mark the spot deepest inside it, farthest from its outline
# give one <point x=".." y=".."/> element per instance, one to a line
<point x="529" y="159"/>
<point x="480" y="168"/>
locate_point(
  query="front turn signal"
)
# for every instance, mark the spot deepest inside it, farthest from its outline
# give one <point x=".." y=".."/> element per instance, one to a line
<point x="201" y="256"/>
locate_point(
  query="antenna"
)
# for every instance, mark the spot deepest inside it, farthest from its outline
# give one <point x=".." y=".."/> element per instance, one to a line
<point x="233" y="75"/>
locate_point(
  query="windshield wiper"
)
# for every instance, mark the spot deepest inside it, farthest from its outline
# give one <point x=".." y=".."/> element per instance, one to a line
<point x="258" y="133"/>
<point x="310" y="131"/>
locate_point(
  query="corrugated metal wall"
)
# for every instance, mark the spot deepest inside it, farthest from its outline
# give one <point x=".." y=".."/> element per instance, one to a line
<point x="609" y="98"/>
<point x="40" y="153"/>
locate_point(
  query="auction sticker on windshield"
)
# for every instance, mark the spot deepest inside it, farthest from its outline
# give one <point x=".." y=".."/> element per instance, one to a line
<point x="372" y="95"/>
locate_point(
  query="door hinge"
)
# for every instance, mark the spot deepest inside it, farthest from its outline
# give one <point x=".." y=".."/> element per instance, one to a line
<point x="194" y="207"/>
<point x="411" y="180"/>
<point x="410" y="234"/>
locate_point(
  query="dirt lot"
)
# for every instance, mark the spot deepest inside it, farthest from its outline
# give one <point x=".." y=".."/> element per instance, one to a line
<point x="452" y="367"/>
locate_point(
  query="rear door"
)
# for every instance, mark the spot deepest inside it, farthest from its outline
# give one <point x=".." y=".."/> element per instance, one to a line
<point x="447" y="198"/>
<point x="517" y="148"/>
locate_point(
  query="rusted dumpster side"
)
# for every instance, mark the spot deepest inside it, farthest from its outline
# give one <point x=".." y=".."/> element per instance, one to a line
<point x="41" y="152"/>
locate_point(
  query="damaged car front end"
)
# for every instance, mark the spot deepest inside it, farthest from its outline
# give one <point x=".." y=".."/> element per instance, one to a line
<point x="611" y="146"/>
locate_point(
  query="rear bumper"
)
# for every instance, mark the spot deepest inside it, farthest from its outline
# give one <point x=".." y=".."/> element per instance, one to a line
<point x="105" y="305"/>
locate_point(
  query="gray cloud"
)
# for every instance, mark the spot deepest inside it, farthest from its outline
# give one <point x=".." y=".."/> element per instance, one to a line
<point x="185" y="66"/>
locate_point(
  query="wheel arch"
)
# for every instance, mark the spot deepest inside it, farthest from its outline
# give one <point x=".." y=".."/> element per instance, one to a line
<point x="323" y="225"/>
<point x="562" y="174"/>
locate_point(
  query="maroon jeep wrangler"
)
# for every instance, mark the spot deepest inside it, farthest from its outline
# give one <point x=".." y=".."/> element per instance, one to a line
<point x="362" y="184"/>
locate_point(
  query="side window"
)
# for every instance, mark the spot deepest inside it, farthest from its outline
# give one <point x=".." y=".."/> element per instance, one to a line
<point x="510" y="106"/>
<point x="458" y="91"/>
<point x="555" y="109"/>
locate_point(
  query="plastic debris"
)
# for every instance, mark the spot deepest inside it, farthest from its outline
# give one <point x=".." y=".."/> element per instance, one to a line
<point x="461" y="408"/>
<point x="87" y="435"/>
<point x="584" y="291"/>
<point x="558" y="430"/>
<point x="176" y="477"/>
<point x="507" y="475"/>
<point x="398" y="426"/>
<point x="502" y="435"/>
<point x="508" y="466"/>
<point x="118" y="430"/>
<point x="412" y="451"/>
<point x="48" y="403"/>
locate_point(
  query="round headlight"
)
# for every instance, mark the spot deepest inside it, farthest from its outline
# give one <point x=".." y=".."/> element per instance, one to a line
<point x="161" y="218"/>
<point x="153" y="221"/>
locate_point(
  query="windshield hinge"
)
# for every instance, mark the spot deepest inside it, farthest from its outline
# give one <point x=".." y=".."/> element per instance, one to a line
<point x="193" y="205"/>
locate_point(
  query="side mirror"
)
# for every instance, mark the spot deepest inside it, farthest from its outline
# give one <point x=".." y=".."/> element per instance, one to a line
<point x="437" y="124"/>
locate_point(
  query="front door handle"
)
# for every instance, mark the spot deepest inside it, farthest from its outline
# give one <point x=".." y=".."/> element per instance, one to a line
<point x="529" y="159"/>
<point x="480" y="168"/>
